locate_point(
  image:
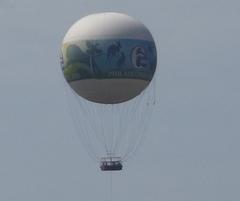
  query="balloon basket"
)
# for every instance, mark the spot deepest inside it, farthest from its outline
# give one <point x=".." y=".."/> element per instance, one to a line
<point x="111" y="164"/>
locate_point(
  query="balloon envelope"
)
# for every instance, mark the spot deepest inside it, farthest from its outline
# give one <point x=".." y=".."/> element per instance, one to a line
<point x="108" y="57"/>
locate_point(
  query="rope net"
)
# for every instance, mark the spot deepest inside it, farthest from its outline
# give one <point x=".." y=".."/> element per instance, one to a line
<point x="112" y="130"/>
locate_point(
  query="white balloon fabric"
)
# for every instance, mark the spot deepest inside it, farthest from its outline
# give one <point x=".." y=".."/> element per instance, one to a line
<point x="108" y="58"/>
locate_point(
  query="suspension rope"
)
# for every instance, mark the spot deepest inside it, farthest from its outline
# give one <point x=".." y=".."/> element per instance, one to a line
<point x="145" y="108"/>
<point x="95" y="119"/>
<point x="114" y="129"/>
<point x="79" y="130"/>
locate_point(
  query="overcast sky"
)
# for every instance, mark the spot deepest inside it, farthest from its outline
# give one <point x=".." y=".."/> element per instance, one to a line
<point x="191" y="152"/>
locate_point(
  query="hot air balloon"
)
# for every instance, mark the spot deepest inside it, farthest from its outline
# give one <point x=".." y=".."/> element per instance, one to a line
<point x="109" y="61"/>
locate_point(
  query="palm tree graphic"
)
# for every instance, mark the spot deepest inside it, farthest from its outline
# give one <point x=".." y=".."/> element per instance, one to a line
<point x="93" y="51"/>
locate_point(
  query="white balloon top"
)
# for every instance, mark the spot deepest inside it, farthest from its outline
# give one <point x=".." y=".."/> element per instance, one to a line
<point x="107" y="26"/>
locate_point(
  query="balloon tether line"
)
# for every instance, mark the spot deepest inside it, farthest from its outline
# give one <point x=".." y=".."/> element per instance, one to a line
<point x="111" y="188"/>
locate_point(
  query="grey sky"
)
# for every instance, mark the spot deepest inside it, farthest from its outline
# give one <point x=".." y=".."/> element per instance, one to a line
<point x="191" y="152"/>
